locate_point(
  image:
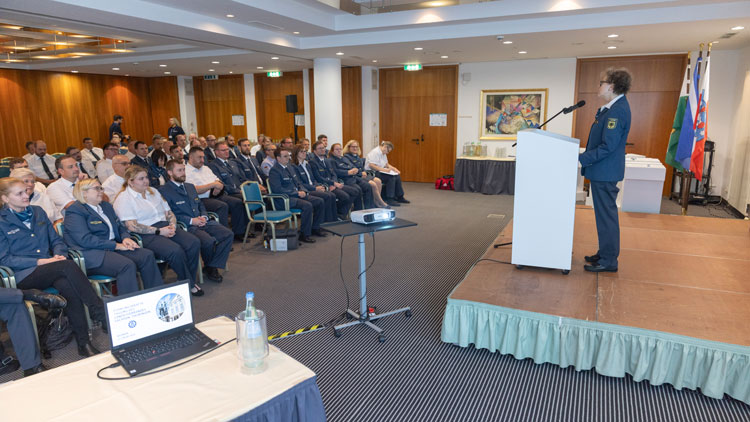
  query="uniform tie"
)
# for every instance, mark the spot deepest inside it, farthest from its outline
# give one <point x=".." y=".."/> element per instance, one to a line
<point x="46" y="169"/>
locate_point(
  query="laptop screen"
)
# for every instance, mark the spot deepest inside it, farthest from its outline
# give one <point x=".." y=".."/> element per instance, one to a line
<point x="149" y="312"/>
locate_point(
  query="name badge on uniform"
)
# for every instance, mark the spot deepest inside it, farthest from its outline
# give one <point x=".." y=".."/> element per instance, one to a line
<point x="41" y="223"/>
<point x="97" y="222"/>
<point x="224" y="174"/>
<point x="197" y="199"/>
<point x="179" y="202"/>
<point x="14" y="231"/>
<point x="611" y="123"/>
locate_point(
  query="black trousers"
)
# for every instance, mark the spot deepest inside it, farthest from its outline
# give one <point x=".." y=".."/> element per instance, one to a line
<point x="607" y="221"/>
<point x="355" y="193"/>
<point x="181" y="251"/>
<point x="123" y="266"/>
<point x="343" y="201"/>
<point x="312" y="213"/>
<point x="366" y="189"/>
<point x="13" y="312"/>
<point x="216" y="242"/>
<point x="392" y="187"/>
<point x="74" y="286"/>
<point x="237" y="211"/>
<point x="219" y="207"/>
<point x="329" y="204"/>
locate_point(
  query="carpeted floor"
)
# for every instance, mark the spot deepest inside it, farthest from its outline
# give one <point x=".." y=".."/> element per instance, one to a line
<point x="413" y="376"/>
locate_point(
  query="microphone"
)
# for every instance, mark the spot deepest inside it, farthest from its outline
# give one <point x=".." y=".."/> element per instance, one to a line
<point x="579" y="104"/>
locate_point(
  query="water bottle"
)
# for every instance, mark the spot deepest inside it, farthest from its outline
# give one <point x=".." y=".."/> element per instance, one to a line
<point x="251" y="335"/>
<point x="250" y="312"/>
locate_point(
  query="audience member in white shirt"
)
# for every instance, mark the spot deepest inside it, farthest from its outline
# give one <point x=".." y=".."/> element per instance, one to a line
<point x="36" y="197"/>
<point x="391" y="176"/>
<point x="114" y="183"/>
<point x="91" y="154"/>
<point x="61" y="190"/>
<point x="104" y="166"/>
<point x="21" y="163"/>
<point x="42" y="164"/>
<point x="30" y="150"/>
<point x="85" y="167"/>
<point x="206" y="183"/>
<point x="131" y="150"/>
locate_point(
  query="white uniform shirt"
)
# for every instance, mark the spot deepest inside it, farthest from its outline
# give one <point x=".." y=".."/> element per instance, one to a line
<point x="61" y="193"/>
<point x="28" y="157"/>
<point x="39" y="187"/>
<point x="112" y="186"/>
<point x="35" y="165"/>
<point x="199" y="177"/>
<point x="104" y="169"/>
<point x="130" y="155"/>
<point x="89" y="160"/>
<point x="254" y="150"/>
<point x="99" y="210"/>
<point x="131" y="205"/>
<point x="41" y="199"/>
<point x="376" y="157"/>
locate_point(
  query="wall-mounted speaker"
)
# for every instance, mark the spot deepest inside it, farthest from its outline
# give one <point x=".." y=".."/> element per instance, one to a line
<point x="291" y="103"/>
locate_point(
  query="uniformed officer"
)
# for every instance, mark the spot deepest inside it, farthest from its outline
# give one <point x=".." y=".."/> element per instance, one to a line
<point x="282" y="180"/>
<point x="142" y="159"/>
<point x="216" y="240"/>
<point x="92" y="227"/>
<point x="603" y="163"/>
<point x="324" y="174"/>
<point x="305" y="177"/>
<point x="232" y="177"/>
<point x="347" y="172"/>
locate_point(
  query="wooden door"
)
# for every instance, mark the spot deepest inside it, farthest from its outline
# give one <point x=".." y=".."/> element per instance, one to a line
<point x="422" y="152"/>
<point x="216" y="101"/>
<point x="653" y="97"/>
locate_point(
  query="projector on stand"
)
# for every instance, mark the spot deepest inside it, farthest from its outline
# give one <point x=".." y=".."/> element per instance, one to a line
<point x="373" y="215"/>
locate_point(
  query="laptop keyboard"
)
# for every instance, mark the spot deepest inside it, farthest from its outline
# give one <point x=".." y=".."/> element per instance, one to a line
<point x="150" y="350"/>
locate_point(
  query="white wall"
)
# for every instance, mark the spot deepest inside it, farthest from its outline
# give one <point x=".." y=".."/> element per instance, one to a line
<point x="737" y="170"/>
<point x="251" y="118"/>
<point x="370" y="109"/>
<point x="186" y="100"/>
<point x="557" y="75"/>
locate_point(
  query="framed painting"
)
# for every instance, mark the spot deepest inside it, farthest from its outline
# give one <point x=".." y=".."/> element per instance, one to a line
<point x="506" y="111"/>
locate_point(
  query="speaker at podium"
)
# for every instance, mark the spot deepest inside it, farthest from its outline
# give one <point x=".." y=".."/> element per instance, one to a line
<point x="545" y="200"/>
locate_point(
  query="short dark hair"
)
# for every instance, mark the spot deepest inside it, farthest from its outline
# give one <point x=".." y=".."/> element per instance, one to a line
<point x="321" y="136"/>
<point x="138" y="143"/>
<point x="68" y="149"/>
<point x="158" y="155"/>
<point x="155" y="137"/>
<point x="87" y="139"/>
<point x="59" y="160"/>
<point x="278" y="151"/>
<point x="241" y="140"/>
<point x="220" y="143"/>
<point x="117" y="117"/>
<point x="315" y="145"/>
<point x="620" y="80"/>
<point x="171" y="163"/>
<point x="110" y="144"/>
<point x="30" y="143"/>
<point x="174" y="147"/>
<point x="15" y="160"/>
<point x="194" y="150"/>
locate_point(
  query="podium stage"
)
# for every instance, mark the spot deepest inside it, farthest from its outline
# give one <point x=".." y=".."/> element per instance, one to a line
<point x="676" y="312"/>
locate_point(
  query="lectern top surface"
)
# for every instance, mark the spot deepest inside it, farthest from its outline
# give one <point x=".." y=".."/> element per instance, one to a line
<point x="551" y="135"/>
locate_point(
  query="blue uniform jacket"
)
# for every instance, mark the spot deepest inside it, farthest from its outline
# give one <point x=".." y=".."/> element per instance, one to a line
<point x="153" y="171"/>
<point x="323" y="171"/>
<point x="208" y="155"/>
<point x="604" y="158"/>
<point x="250" y="169"/>
<point x="307" y="184"/>
<point x="229" y="174"/>
<point x="20" y="247"/>
<point x="173" y="131"/>
<point x="185" y="205"/>
<point x="283" y="180"/>
<point x="357" y="161"/>
<point x="85" y="230"/>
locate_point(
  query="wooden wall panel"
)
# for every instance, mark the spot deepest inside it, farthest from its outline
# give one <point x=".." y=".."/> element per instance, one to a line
<point x="270" y="104"/>
<point x="215" y="103"/>
<point x="63" y="108"/>
<point x="653" y="97"/>
<point x="351" y="103"/>
<point x="164" y="102"/>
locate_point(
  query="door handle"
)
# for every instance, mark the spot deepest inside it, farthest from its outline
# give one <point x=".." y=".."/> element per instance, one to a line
<point x="415" y="140"/>
<point x="422" y="137"/>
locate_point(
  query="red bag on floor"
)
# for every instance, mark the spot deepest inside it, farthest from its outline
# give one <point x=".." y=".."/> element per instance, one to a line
<point x="444" y="183"/>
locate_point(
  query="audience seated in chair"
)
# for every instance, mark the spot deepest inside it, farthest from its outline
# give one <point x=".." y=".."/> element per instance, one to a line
<point x="21" y="163"/>
<point x="232" y="177"/>
<point x="348" y="173"/>
<point x="377" y="160"/>
<point x="114" y="183"/>
<point x="36" y="197"/>
<point x="104" y="166"/>
<point x="61" y="190"/>
<point x="207" y="184"/>
<point x="305" y="176"/>
<point x="352" y="154"/>
<point x="42" y="164"/>
<point x="324" y="174"/>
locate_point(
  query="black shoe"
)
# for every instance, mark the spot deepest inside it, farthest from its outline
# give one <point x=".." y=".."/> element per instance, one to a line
<point x="592" y="258"/>
<point x="403" y="200"/>
<point x="35" y="370"/>
<point x="392" y="202"/>
<point x="319" y="233"/>
<point x="212" y="273"/>
<point x="596" y="268"/>
<point x="198" y="291"/>
<point x="87" y="349"/>
<point x="44" y="299"/>
<point x="8" y="365"/>
<point x="306" y="239"/>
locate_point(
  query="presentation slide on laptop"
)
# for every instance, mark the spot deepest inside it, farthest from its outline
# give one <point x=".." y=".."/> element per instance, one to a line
<point x="143" y="315"/>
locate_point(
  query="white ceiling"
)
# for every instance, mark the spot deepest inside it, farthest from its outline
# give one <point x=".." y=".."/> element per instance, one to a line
<point x="187" y="35"/>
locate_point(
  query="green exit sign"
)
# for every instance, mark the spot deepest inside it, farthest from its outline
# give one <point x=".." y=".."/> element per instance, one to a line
<point x="274" y="74"/>
<point x="412" y="67"/>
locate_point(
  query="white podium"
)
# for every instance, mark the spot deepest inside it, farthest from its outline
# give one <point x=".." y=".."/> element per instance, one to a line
<point x="545" y="199"/>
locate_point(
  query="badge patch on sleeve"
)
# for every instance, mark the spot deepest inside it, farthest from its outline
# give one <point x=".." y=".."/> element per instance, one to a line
<point x="611" y="123"/>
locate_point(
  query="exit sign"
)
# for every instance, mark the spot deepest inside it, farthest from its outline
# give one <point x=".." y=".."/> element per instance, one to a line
<point x="274" y="74"/>
<point x="412" y="67"/>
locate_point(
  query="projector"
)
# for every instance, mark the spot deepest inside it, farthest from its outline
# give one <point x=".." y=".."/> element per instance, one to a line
<point x="373" y="215"/>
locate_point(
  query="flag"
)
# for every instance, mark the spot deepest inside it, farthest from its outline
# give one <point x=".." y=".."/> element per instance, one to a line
<point x="687" y="133"/>
<point x="701" y="124"/>
<point x="679" y="115"/>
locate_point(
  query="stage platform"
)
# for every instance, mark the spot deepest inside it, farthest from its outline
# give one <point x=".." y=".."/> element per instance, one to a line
<point x="676" y="312"/>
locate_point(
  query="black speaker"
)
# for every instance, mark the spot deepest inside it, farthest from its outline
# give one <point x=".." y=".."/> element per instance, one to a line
<point x="291" y="103"/>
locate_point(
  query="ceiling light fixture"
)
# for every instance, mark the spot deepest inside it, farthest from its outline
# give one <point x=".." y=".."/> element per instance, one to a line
<point x="738" y="28"/>
<point x="295" y="32"/>
<point x="73" y="71"/>
<point x="127" y="74"/>
<point x="162" y="65"/>
<point x="522" y="52"/>
<point x="230" y="16"/>
<point x="211" y="70"/>
<point x="507" y="42"/>
<point x="115" y="68"/>
<point x="136" y="63"/>
<point x="443" y="57"/>
<point x="167" y="73"/>
<point x="274" y="58"/>
<point x="611" y="47"/>
<point x="612" y="36"/>
<point x="374" y="61"/>
<point x="418" y="49"/>
<point x="231" y="71"/>
<point x="215" y="62"/>
<point x="339" y="53"/>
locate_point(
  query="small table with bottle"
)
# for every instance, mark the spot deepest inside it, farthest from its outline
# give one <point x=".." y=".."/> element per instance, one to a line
<point x="477" y="171"/>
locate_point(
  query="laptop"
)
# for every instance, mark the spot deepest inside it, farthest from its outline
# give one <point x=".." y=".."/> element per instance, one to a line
<point x="154" y="327"/>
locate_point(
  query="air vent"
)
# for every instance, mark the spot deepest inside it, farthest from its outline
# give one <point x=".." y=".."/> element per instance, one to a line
<point x="374" y="80"/>
<point x="728" y="35"/>
<point x="264" y="25"/>
<point x="188" y="86"/>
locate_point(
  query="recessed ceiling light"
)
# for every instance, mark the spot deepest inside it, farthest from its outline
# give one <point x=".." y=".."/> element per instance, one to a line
<point x="259" y="67"/>
<point x="74" y="71"/>
<point x="211" y="70"/>
<point x="612" y="47"/>
<point x="274" y="58"/>
<point x="127" y="74"/>
<point x="115" y="68"/>
<point x="162" y="65"/>
<point x="443" y="57"/>
<point x="507" y="42"/>
<point x="295" y="32"/>
<point x="339" y="53"/>
<point x="167" y="73"/>
<point x="738" y="28"/>
<point x="522" y="52"/>
<point x="374" y="61"/>
<point x="716" y="42"/>
<point x="418" y="48"/>
<point x="136" y="63"/>
<point x="215" y="62"/>
<point x="231" y="71"/>
<point x="230" y="16"/>
<point x="612" y="36"/>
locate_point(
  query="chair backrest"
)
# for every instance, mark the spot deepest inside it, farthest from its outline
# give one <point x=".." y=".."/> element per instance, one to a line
<point x="252" y="196"/>
<point x="123" y="151"/>
<point x="4" y="170"/>
<point x="58" y="154"/>
<point x="58" y="225"/>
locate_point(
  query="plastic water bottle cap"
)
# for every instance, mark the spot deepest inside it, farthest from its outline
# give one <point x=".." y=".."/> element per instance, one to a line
<point x="249" y="295"/>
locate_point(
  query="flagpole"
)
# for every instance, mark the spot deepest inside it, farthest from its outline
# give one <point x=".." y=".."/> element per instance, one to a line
<point x="687" y="176"/>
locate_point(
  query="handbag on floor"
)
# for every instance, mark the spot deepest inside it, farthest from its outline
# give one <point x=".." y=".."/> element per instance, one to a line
<point x="54" y="331"/>
<point x="286" y="240"/>
<point x="444" y="183"/>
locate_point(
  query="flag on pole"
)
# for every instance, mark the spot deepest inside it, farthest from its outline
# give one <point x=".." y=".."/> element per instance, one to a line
<point x="701" y="124"/>
<point x="687" y="133"/>
<point x="674" y="136"/>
